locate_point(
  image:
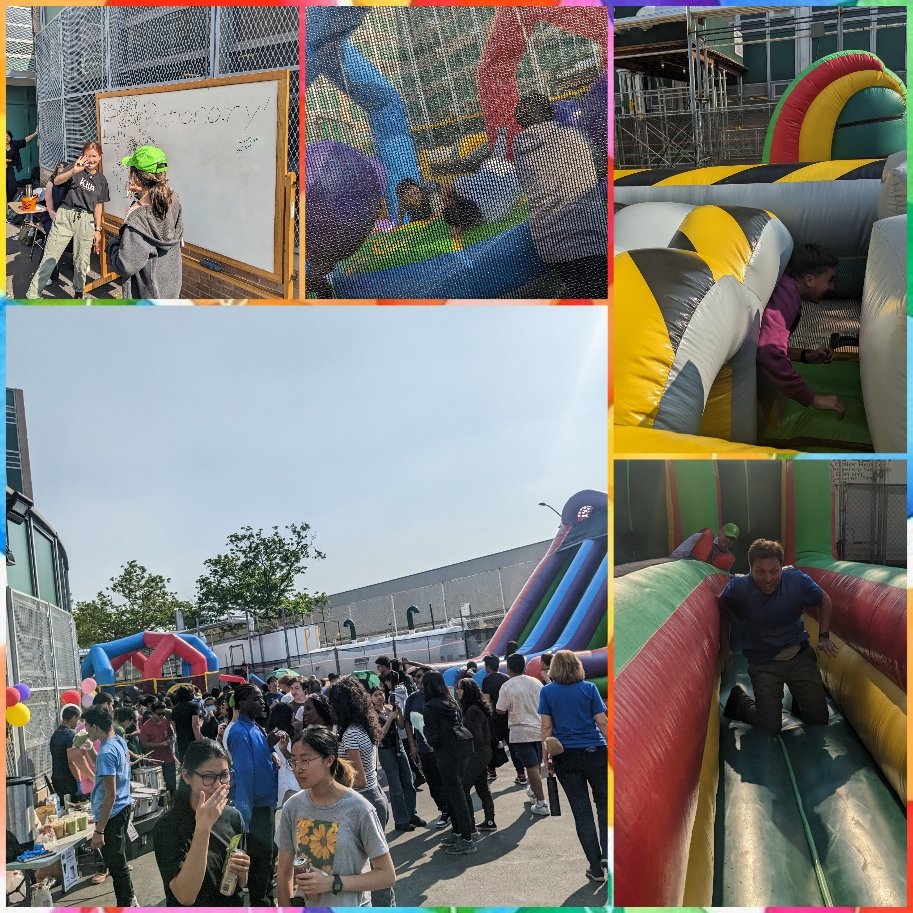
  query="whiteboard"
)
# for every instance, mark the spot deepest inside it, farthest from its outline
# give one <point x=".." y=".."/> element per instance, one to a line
<point x="223" y="140"/>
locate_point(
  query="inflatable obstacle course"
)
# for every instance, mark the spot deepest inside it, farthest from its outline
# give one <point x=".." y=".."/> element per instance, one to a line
<point x="715" y="812"/>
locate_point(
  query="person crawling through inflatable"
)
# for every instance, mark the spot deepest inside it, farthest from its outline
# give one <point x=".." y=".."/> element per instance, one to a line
<point x="715" y="550"/>
<point x="809" y="276"/>
<point x="766" y="605"/>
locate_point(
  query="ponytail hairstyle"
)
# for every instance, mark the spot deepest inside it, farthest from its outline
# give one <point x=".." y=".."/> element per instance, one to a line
<point x="96" y="145"/>
<point x="325" y="743"/>
<point x="196" y="754"/>
<point x="158" y="188"/>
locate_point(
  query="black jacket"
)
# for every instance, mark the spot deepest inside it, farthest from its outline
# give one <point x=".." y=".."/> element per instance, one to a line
<point x="440" y="718"/>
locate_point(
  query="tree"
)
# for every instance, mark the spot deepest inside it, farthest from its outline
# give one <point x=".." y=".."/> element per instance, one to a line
<point x="258" y="574"/>
<point x="135" y="600"/>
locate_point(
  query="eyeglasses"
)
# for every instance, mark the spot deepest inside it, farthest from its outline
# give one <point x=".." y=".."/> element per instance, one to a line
<point x="209" y="779"/>
<point x="302" y="762"/>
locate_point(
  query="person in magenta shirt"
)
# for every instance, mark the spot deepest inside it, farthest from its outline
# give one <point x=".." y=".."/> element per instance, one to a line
<point x="809" y="276"/>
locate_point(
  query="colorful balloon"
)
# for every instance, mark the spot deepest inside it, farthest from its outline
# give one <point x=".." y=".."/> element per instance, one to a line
<point x="87" y="699"/>
<point x="70" y="697"/>
<point x="18" y="715"/>
<point x="12" y="697"/>
<point x="88" y="685"/>
<point x="24" y="691"/>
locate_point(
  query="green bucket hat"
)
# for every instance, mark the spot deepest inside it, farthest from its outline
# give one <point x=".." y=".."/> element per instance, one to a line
<point x="150" y="159"/>
<point x="730" y="531"/>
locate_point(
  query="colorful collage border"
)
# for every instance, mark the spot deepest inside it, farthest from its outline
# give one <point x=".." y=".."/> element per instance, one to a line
<point x="720" y="455"/>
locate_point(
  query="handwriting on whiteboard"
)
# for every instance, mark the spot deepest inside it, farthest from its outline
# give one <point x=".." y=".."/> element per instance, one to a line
<point x="134" y="120"/>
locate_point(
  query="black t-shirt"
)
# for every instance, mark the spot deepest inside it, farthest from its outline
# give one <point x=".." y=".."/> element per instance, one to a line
<point x="86" y="190"/>
<point x="61" y="739"/>
<point x="391" y="739"/>
<point x="171" y="839"/>
<point x="491" y="685"/>
<point x="415" y="703"/>
<point x="210" y="726"/>
<point x="182" y="718"/>
<point x="13" y="159"/>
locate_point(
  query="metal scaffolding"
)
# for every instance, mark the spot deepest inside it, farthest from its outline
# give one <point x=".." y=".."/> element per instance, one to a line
<point x="710" y="116"/>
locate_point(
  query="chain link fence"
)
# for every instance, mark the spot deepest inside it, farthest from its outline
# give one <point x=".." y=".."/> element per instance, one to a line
<point x="20" y="42"/>
<point x="871" y="521"/>
<point x="487" y="595"/>
<point x="43" y="654"/>
<point x="84" y="50"/>
<point x="432" y="648"/>
<point x="430" y="56"/>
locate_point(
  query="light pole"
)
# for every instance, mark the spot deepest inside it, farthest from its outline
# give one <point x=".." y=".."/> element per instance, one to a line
<point x="552" y="509"/>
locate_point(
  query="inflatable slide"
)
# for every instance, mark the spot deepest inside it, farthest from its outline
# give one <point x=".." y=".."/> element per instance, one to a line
<point x="564" y="604"/>
<point x="714" y="811"/>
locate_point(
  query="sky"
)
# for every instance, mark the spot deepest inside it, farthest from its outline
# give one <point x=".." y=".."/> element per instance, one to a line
<point x="408" y="438"/>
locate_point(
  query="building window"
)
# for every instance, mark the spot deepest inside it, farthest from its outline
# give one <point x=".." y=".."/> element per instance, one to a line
<point x="19" y="575"/>
<point x="44" y="566"/>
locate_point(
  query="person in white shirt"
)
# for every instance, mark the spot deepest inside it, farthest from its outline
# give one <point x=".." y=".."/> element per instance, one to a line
<point x="519" y="699"/>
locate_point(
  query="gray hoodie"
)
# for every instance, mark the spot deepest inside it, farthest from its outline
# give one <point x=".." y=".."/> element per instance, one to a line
<point x="147" y="255"/>
<point x="568" y="207"/>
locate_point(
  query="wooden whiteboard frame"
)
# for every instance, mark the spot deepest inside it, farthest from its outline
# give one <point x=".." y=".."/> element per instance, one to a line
<point x="278" y="276"/>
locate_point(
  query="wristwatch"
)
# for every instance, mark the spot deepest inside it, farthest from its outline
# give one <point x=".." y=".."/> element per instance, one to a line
<point x="337" y="883"/>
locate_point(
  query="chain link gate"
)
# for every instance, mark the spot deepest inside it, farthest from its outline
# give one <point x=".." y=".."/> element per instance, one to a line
<point x="84" y="50"/>
<point x="43" y="654"/>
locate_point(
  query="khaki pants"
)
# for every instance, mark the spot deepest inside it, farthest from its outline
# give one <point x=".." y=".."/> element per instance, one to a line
<point x="79" y="225"/>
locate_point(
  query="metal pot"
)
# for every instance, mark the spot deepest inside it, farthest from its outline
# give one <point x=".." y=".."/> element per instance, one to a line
<point x="20" y="803"/>
<point x="149" y="776"/>
<point x="145" y="800"/>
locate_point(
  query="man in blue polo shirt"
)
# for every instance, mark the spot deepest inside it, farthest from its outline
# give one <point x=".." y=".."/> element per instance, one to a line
<point x="767" y="607"/>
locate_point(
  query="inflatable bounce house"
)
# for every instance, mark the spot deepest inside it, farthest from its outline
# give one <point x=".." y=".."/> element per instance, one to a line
<point x="345" y="189"/>
<point x="563" y="605"/>
<point x="715" y="811"/>
<point x="147" y="652"/>
<point x="698" y="252"/>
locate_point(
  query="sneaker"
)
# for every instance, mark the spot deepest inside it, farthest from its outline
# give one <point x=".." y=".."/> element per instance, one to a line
<point x="596" y="874"/>
<point x="540" y="808"/>
<point x="488" y="826"/>
<point x="443" y="821"/>
<point x="492" y="776"/>
<point x="530" y="793"/>
<point x="408" y="826"/>
<point x="133" y="902"/>
<point x="451" y="838"/>
<point x="520" y="781"/>
<point x="462" y="848"/>
<point x="418" y="822"/>
<point x="734" y="703"/>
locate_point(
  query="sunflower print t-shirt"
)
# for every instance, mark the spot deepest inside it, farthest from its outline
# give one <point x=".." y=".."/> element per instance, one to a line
<point x="338" y="839"/>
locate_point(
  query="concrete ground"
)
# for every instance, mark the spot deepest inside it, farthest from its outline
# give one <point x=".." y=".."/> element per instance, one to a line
<point x="528" y="861"/>
<point x="19" y="270"/>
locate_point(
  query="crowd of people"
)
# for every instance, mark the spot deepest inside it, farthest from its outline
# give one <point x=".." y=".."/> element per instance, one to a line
<point x="313" y="749"/>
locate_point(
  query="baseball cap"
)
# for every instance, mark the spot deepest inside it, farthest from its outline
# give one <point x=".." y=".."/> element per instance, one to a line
<point x="730" y="531"/>
<point x="150" y="159"/>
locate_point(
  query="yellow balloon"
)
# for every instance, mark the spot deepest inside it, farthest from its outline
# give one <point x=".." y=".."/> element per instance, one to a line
<point x="18" y="715"/>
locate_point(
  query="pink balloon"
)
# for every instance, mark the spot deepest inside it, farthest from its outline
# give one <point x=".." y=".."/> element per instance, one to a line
<point x="88" y="685"/>
<point x="87" y="700"/>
